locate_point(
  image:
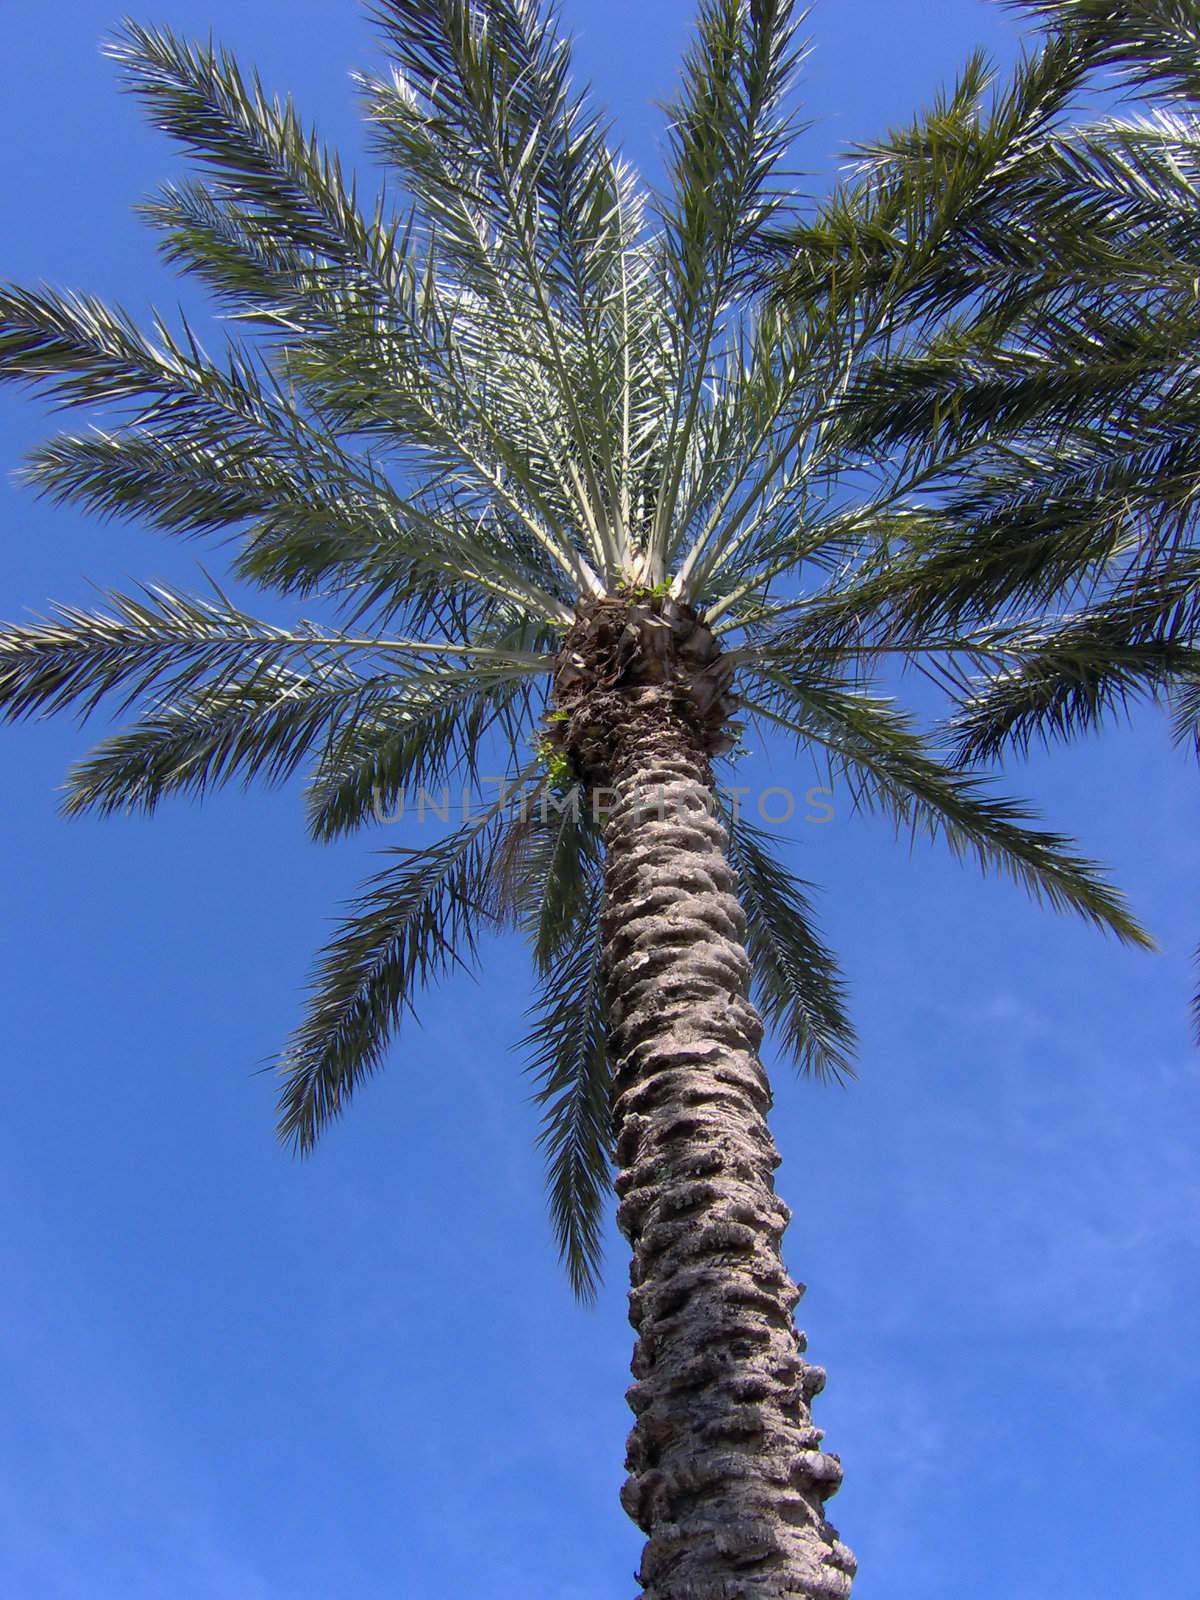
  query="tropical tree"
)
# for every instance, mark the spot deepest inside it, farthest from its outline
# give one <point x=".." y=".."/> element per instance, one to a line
<point x="1038" y="370"/>
<point x="550" y="463"/>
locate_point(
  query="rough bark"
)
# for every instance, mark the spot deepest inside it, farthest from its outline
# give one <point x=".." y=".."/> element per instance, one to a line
<point x="727" y="1476"/>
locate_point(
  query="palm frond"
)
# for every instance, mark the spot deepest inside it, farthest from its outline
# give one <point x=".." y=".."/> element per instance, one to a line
<point x="1070" y="680"/>
<point x="254" y="144"/>
<point x="550" y="873"/>
<point x="1184" y="697"/>
<point x="730" y="127"/>
<point x="926" y="218"/>
<point x="362" y="299"/>
<point x="416" y="919"/>
<point x="529" y="210"/>
<point x="797" y="985"/>
<point x="429" y="728"/>
<point x="261" y="727"/>
<point x="1154" y="44"/>
<point x="168" y="643"/>
<point x="80" y="351"/>
<point x="547" y="879"/>
<point x="176" y="483"/>
<point x="885" y="764"/>
<point x="567" y="1055"/>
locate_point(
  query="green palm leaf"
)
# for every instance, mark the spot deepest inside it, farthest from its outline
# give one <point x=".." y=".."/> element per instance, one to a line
<point x="883" y="760"/>
<point x="415" y="920"/>
<point x="797" y="985"/>
<point x="565" y="1051"/>
<point x="1155" y="43"/>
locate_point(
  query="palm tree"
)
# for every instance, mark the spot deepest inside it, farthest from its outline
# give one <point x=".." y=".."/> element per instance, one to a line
<point x="552" y="465"/>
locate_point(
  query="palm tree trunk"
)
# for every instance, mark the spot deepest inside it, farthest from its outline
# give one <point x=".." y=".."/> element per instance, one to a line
<point x="727" y="1475"/>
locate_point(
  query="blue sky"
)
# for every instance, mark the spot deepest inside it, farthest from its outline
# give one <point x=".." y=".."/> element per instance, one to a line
<point x="227" y="1376"/>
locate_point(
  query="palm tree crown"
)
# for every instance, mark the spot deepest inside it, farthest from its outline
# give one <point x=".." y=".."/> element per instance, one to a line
<point x="529" y="434"/>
